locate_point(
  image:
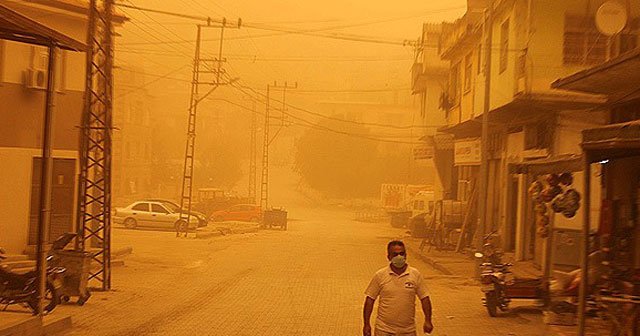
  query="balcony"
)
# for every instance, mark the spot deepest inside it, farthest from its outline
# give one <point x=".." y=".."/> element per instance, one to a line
<point x="456" y="35"/>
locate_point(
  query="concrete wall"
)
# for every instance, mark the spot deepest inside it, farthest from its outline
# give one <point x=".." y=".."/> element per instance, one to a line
<point x="15" y="198"/>
<point x="22" y="112"/>
<point x="546" y="44"/>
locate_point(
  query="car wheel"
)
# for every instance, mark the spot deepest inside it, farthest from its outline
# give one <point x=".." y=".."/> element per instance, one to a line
<point x="130" y="223"/>
<point x="180" y="226"/>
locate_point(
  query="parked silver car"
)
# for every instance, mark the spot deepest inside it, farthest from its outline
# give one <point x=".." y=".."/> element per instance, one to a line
<point x="151" y="214"/>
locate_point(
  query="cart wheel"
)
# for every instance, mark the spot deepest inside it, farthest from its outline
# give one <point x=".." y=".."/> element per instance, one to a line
<point x="83" y="299"/>
<point x="491" y="301"/>
<point x="65" y="298"/>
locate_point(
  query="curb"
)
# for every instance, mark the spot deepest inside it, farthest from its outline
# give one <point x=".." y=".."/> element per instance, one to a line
<point x="430" y="261"/>
<point x="226" y="231"/>
<point x="28" y="326"/>
<point x="53" y="325"/>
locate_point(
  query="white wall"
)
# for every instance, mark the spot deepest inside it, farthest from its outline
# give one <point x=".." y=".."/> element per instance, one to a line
<point x="15" y="198"/>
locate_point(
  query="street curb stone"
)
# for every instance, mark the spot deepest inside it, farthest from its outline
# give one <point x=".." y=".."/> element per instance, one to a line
<point x="430" y="261"/>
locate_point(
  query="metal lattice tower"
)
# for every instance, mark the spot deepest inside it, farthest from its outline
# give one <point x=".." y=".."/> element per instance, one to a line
<point x="264" y="188"/>
<point x="94" y="192"/>
<point x="208" y="72"/>
<point x="253" y="155"/>
<point x="264" y="181"/>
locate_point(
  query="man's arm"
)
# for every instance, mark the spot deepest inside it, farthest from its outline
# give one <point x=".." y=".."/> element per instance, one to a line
<point x="426" y="309"/>
<point x="366" y="315"/>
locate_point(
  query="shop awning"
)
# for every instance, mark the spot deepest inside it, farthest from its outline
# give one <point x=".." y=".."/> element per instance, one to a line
<point x="618" y="77"/>
<point x="527" y="108"/>
<point x="612" y="141"/>
<point x="17" y="27"/>
<point x="551" y="165"/>
<point x="439" y="141"/>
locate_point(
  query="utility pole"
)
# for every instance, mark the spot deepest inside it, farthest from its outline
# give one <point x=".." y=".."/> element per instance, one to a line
<point x="264" y="188"/>
<point x="484" y="144"/>
<point x="201" y="67"/>
<point x="94" y="182"/>
<point x="253" y="154"/>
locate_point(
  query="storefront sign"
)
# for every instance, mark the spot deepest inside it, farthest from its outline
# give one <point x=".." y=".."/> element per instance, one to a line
<point x="423" y="152"/>
<point x="466" y="152"/>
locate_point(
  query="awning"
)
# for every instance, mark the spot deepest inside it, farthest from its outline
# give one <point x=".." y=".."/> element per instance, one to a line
<point x="17" y="27"/>
<point x="527" y="108"/>
<point x="618" y="77"/>
<point x="439" y="141"/>
<point x="612" y="141"/>
<point x="552" y="165"/>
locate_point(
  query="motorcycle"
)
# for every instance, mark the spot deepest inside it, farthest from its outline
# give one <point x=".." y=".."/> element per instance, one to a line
<point x="499" y="284"/>
<point x="22" y="289"/>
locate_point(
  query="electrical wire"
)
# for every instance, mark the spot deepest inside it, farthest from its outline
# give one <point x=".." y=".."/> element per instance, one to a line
<point x="309" y="124"/>
<point x="319" y="115"/>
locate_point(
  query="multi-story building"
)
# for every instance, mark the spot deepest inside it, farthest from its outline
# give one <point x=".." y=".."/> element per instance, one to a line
<point x="533" y="130"/>
<point x="429" y="79"/>
<point x="23" y="80"/>
<point x="133" y="136"/>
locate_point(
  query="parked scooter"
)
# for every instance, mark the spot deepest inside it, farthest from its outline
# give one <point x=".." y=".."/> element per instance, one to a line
<point x="22" y="289"/>
<point x="499" y="284"/>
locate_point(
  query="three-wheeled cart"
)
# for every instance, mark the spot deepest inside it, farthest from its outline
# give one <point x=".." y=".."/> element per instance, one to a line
<point x="275" y="217"/>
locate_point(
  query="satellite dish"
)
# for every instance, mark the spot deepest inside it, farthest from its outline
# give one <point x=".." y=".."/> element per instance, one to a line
<point x="611" y="18"/>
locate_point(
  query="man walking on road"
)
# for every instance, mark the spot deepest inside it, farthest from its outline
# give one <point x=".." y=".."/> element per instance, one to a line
<point x="397" y="285"/>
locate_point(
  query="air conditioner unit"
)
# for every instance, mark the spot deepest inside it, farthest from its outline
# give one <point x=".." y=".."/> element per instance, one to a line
<point x="35" y="79"/>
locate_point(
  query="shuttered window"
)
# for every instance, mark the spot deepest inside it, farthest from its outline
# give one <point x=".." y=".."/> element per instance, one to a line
<point x="583" y="43"/>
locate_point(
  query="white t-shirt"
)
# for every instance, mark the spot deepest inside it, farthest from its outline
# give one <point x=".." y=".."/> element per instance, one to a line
<point x="397" y="304"/>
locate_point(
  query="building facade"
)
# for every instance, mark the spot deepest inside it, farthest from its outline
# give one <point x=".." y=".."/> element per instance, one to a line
<point x="132" y="137"/>
<point x="23" y="81"/>
<point x="533" y="130"/>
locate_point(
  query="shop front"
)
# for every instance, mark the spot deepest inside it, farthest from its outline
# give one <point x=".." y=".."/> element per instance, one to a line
<point x="616" y="148"/>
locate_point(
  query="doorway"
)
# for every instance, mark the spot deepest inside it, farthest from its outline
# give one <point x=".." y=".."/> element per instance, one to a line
<point x="62" y="199"/>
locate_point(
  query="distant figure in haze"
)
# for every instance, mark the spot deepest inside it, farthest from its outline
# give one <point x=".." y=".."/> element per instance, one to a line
<point x="397" y="285"/>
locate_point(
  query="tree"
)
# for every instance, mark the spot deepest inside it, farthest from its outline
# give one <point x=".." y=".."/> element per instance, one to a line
<point x="337" y="164"/>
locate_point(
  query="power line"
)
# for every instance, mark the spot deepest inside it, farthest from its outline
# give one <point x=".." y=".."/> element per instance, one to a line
<point x="151" y="82"/>
<point x="241" y="88"/>
<point x="309" y="124"/>
<point x="311" y="32"/>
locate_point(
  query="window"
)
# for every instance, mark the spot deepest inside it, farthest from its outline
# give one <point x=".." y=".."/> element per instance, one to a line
<point x="628" y="42"/>
<point x="141" y="207"/>
<point x="454" y="84"/>
<point x="468" y="71"/>
<point x="504" y="46"/>
<point x="158" y="208"/>
<point x="538" y="135"/>
<point x="583" y="44"/>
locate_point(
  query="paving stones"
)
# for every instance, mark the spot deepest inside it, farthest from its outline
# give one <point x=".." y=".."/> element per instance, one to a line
<point x="308" y="280"/>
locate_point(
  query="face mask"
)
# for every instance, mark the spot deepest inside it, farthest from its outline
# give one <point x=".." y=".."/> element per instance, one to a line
<point x="399" y="261"/>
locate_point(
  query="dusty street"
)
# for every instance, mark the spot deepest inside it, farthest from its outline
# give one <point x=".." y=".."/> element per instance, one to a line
<point x="305" y="281"/>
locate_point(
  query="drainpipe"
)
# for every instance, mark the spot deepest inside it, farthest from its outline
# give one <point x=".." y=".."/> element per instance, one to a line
<point x="45" y="181"/>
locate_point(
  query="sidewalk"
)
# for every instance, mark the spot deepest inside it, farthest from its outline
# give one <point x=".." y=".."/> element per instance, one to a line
<point x="22" y="323"/>
<point x="460" y="264"/>
<point x="451" y="263"/>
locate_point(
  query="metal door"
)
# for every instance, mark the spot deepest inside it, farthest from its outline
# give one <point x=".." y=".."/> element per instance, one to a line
<point x="62" y="199"/>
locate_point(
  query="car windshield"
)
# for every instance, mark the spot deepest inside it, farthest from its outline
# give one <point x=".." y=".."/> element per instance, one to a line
<point x="172" y="207"/>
